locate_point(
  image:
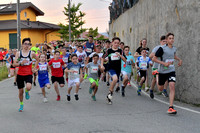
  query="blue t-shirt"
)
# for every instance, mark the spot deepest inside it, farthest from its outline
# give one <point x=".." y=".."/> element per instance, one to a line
<point x="7" y="56"/>
<point x="43" y="71"/>
<point x="89" y="48"/>
<point x="143" y="63"/>
<point x="127" y="66"/>
<point x="76" y="68"/>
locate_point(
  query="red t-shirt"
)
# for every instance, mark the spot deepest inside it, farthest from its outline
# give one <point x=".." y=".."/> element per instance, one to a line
<point x="1" y="56"/>
<point x="56" y="67"/>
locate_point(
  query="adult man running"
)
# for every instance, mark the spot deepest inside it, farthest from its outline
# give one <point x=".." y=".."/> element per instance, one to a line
<point x="23" y="59"/>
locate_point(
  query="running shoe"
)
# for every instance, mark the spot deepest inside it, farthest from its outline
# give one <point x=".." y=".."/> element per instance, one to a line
<point x="21" y="108"/>
<point x="9" y="76"/>
<point x="155" y="72"/>
<point x="139" y="92"/>
<point x="117" y="89"/>
<point x="146" y="89"/>
<point x="68" y="98"/>
<point x="85" y="76"/>
<point x="27" y="96"/>
<point x="67" y="80"/>
<point x="129" y="84"/>
<point x="104" y="79"/>
<point x="164" y="93"/>
<point x="34" y="83"/>
<point x="45" y="100"/>
<point x="15" y="84"/>
<point x="123" y="91"/>
<point x="76" y="97"/>
<point x="110" y="95"/>
<point x="90" y="91"/>
<point x="93" y="98"/>
<point x="108" y="84"/>
<point x="151" y="94"/>
<point x="58" y="98"/>
<point x="171" y="111"/>
<point x="109" y="100"/>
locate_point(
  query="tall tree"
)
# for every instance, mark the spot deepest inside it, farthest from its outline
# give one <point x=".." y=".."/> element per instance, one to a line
<point x="76" y="22"/>
<point x="92" y="32"/>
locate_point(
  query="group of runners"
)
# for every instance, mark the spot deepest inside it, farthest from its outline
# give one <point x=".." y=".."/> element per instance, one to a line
<point x="110" y="62"/>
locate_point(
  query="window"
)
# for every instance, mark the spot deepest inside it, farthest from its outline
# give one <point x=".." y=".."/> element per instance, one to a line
<point x="25" y="14"/>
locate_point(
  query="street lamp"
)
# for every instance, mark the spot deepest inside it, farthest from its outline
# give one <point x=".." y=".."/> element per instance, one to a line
<point x="69" y="20"/>
<point x="18" y="26"/>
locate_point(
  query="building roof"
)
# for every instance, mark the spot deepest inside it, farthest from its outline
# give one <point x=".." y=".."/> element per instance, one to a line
<point x="11" y="8"/>
<point x="25" y="24"/>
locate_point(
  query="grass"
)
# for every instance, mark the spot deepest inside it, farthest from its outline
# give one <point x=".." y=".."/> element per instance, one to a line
<point x="3" y="72"/>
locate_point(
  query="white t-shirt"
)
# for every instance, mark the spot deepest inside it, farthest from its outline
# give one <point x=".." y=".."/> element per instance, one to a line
<point x="81" y="57"/>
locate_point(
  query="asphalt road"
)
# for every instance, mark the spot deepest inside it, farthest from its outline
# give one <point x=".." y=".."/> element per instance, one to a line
<point x="130" y="114"/>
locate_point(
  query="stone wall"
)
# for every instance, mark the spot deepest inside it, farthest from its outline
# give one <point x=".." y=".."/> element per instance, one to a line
<point x="153" y="18"/>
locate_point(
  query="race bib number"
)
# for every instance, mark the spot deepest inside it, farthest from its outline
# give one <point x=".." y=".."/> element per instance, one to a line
<point x="114" y="57"/>
<point x="89" y="50"/>
<point x="143" y="65"/>
<point x="43" y="67"/>
<point x="171" y="61"/>
<point x="65" y="59"/>
<point x="94" y="69"/>
<point x="76" y="71"/>
<point x="56" y="65"/>
<point x="28" y="62"/>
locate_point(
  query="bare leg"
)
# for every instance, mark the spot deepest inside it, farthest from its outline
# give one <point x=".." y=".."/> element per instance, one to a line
<point x="172" y="93"/>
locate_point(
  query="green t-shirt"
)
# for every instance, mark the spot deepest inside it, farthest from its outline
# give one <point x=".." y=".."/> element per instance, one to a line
<point x="35" y="49"/>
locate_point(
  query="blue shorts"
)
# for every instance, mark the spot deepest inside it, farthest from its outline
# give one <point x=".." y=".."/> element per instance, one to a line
<point x="43" y="82"/>
<point x="113" y="72"/>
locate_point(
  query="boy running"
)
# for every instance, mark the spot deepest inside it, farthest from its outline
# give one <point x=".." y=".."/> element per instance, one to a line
<point x="23" y="59"/>
<point x="57" y="72"/>
<point x="114" y="55"/>
<point x="94" y="68"/>
<point x="142" y="64"/>
<point x="126" y="69"/>
<point x="166" y="69"/>
<point x="75" y="72"/>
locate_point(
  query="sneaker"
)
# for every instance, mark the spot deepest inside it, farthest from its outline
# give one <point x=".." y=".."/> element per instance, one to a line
<point x="21" y="108"/>
<point x="45" y="100"/>
<point x="27" y="96"/>
<point x="146" y="89"/>
<point x="85" y="76"/>
<point x="129" y="84"/>
<point x="155" y="72"/>
<point x="104" y="79"/>
<point x="139" y="92"/>
<point x="15" y="84"/>
<point x="123" y="91"/>
<point x="151" y="94"/>
<point x="90" y="91"/>
<point x="108" y="84"/>
<point x="34" y="83"/>
<point x="58" y="98"/>
<point x="93" y="98"/>
<point x="171" y="110"/>
<point x="76" y="97"/>
<point x="67" y="80"/>
<point x="123" y="94"/>
<point x="9" y="76"/>
<point x="110" y="96"/>
<point x="68" y="98"/>
<point x="117" y="89"/>
<point x="164" y="93"/>
<point x="109" y="100"/>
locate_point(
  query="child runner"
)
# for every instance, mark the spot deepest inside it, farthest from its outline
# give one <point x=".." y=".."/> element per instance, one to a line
<point x="65" y="57"/>
<point x="114" y="55"/>
<point x="43" y="76"/>
<point x="74" y="72"/>
<point x="126" y="68"/>
<point x="166" y="69"/>
<point x="94" y="68"/>
<point x="57" y="72"/>
<point x="13" y="70"/>
<point x="23" y="59"/>
<point x="155" y="69"/>
<point x="142" y="64"/>
<point x="8" y="61"/>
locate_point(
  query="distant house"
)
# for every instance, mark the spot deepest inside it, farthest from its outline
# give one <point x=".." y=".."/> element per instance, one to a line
<point x="36" y="30"/>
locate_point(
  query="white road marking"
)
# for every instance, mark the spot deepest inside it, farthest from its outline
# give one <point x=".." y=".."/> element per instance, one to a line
<point x="161" y="101"/>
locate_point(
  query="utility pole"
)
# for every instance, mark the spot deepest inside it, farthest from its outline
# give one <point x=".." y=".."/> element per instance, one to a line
<point x="18" y="26"/>
<point x="69" y="20"/>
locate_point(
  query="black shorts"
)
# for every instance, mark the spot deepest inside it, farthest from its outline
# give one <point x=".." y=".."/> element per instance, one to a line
<point x="21" y="79"/>
<point x="60" y="80"/>
<point x="143" y="73"/>
<point x="1" y="60"/>
<point x="106" y="67"/>
<point x="170" y="77"/>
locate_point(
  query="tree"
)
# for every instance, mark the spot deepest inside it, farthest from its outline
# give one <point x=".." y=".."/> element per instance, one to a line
<point x="101" y="37"/>
<point x="76" y="22"/>
<point x="92" y="32"/>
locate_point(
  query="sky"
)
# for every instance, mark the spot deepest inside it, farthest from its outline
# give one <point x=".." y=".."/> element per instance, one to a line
<point x="97" y="13"/>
